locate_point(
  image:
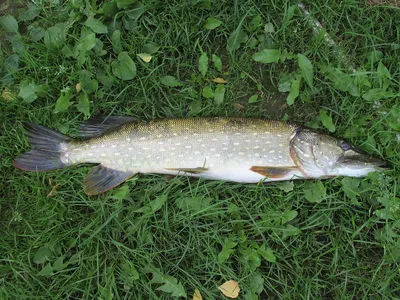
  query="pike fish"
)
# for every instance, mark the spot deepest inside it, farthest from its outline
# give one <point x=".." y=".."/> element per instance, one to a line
<point x="231" y="149"/>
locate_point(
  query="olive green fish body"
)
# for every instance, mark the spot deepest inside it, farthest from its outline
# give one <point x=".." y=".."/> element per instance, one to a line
<point x="224" y="148"/>
<point x="233" y="149"/>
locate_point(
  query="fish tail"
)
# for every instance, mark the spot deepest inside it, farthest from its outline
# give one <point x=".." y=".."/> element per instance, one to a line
<point x="46" y="152"/>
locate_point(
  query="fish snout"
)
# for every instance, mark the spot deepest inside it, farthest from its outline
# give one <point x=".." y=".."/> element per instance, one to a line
<point x="360" y="160"/>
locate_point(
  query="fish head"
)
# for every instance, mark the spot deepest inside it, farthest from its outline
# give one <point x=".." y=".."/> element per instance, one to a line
<point x="319" y="155"/>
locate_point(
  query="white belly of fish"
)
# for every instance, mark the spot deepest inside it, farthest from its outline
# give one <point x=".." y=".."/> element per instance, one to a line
<point x="236" y="174"/>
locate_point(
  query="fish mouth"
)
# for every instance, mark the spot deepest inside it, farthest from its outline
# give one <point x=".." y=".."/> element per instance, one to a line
<point x="361" y="161"/>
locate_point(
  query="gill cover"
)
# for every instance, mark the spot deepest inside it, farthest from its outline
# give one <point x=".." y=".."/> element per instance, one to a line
<point x="315" y="154"/>
<point x="302" y="153"/>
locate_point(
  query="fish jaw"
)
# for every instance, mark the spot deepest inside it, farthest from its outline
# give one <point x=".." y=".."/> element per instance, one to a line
<point x="357" y="164"/>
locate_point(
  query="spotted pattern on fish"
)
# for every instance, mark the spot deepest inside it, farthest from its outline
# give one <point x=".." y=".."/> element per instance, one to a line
<point x="187" y="143"/>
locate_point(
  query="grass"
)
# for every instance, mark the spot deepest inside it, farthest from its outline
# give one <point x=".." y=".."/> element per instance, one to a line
<point x="182" y="234"/>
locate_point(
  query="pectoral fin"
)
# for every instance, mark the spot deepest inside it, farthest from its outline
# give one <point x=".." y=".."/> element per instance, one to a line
<point x="189" y="170"/>
<point x="273" y="172"/>
<point x="101" y="179"/>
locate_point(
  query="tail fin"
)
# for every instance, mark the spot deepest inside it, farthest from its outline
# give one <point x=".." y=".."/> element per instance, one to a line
<point x="45" y="155"/>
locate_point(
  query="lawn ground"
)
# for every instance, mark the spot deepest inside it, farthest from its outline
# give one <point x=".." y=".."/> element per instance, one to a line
<point x="161" y="238"/>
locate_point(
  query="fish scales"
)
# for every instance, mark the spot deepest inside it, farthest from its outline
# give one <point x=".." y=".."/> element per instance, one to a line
<point x="232" y="149"/>
<point x="216" y="144"/>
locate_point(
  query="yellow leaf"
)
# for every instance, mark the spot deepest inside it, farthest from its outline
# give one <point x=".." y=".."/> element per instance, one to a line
<point x="197" y="295"/>
<point x="53" y="190"/>
<point x="219" y="80"/>
<point x="238" y="106"/>
<point x="78" y="87"/>
<point x="230" y="289"/>
<point x="145" y="57"/>
<point x="7" y="95"/>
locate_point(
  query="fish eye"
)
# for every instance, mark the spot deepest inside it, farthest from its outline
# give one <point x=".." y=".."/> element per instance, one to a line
<point x="344" y="145"/>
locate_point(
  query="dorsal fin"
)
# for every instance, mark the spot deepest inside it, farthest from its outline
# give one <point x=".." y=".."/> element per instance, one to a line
<point x="99" y="125"/>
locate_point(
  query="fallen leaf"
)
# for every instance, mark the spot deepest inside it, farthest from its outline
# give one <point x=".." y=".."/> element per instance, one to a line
<point x="238" y="106"/>
<point x="219" y="80"/>
<point x="145" y="57"/>
<point x="78" y="87"/>
<point x="197" y="295"/>
<point x="7" y="95"/>
<point x="230" y="289"/>
<point x="53" y="189"/>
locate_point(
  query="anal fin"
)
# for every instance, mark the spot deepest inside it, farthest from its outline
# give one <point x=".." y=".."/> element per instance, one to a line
<point x="101" y="179"/>
<point x="273" y="172"/>
<point x="189" y="170"/>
